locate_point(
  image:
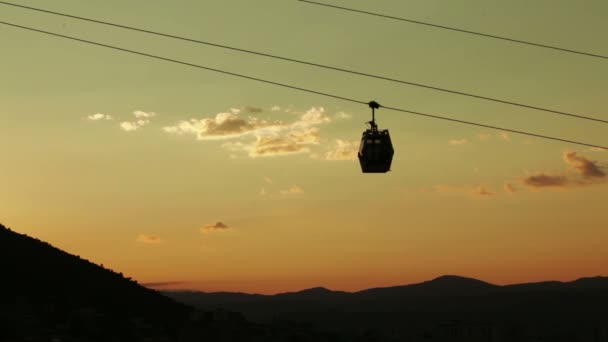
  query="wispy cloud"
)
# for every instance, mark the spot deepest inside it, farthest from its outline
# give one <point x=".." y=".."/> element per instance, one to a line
<point x="149" y="239"/>
<point x="343" y="150"/>
<point x="483" y="191"/>
<point x="142" y="119"/>
<point x="343" y="116"/>
<point x="99" y="117"/>
<point x="143" y="115"/>
<point x="216" y="227"/>
<point x="509" y="188"/>
<point x="544" y="180"/>
<point x="484" y="136"/>
<point x="583" y="172"/>
<point x="504" y="136"/>
<point x="225" y="125"/>
<point x="587" y="168"/>
<point x="255" y="136"/>
<point x="458" y="142"/>
<point x="477" y="191"/>
<point x="295" y="189"/>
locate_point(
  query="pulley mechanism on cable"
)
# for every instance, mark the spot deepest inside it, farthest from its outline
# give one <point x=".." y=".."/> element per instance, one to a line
<point x="376" y="150"/>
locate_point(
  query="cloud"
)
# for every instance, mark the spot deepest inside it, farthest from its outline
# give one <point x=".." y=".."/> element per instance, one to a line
<point x="458" y="142"/>
<point x="129" y="126"/>
<point x="479" y="191"/>
<point x="275" y="109"/>
<point x="295" y="189"/>
<point x="252" y="109"/>
<point x="343" y="150"/>
<point x="143" y="118"/>
<point x="149" y="239"/>
<point x="268" y="180"/>
<point x="582" y="172"/>
<point x="99" y="116"/>
<point x="143" y="115"/>
<point x="484" y="136"/>
<point x="255" y="136"/>
<point x="504" y="136"/>
<point x="509" y="188"/>
<point x="297" y="141"/>
<point x="482" y="191"/>
<point x="543" y="180"/>
<point x="587" y="168"/>
<point x="312" y="117"/>
<point x="293" y="142"/>
<point x="226" y="125"/>
<point x="343" y="116"/>
<point x="216" y="227"/>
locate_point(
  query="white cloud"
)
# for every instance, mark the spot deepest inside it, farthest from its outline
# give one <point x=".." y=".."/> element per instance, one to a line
<point x="99" y="116"/>
<point x="293" y="142"/>
<point x="343" y="116"/>
<point x="226" y="125"/>
<point x="269" y="138"/>
<point x="129" y="126"/>
<point x="458" y="142"/>
<point x="343" y="150"/>
<point x="143" y="115"/>
<point x="143" y="118"/>
<point x="312" y="117"/>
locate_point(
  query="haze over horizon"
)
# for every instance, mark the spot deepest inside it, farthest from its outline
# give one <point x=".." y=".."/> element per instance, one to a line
<point x="194" y="179"/>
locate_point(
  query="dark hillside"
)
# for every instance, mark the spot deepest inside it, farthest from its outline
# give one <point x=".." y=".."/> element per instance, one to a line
<point x="44" y="289"/>
<point x="50" y="295"/>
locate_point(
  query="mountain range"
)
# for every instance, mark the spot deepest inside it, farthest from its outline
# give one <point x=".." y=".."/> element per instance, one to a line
<point x="49" y="295"/>
<point x="443" y="294"/>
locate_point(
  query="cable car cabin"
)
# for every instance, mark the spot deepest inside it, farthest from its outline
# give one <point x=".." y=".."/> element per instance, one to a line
<point x="376" y="151"/>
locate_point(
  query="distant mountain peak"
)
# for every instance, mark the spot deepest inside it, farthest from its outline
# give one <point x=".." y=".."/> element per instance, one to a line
<point x="318" y="289"/>
<point x="313" y="290"/>
<point x="455" y="279"/>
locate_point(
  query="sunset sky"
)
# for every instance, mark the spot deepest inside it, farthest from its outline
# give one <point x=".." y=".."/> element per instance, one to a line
<point x="204" y="181"/>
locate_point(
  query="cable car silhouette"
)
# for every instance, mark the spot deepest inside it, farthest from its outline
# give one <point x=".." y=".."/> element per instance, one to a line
<point x="376" y="150"/>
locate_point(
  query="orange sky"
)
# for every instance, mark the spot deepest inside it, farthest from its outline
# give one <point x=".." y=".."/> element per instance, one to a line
<point x="200" y="180"/>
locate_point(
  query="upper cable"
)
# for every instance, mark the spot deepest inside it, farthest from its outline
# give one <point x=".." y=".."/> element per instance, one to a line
<point x="334" y="68"/>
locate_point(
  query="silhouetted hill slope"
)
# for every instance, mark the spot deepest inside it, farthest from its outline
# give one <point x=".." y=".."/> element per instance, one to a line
<point x="46" y="284"/>
<point x="49" y="295"/>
